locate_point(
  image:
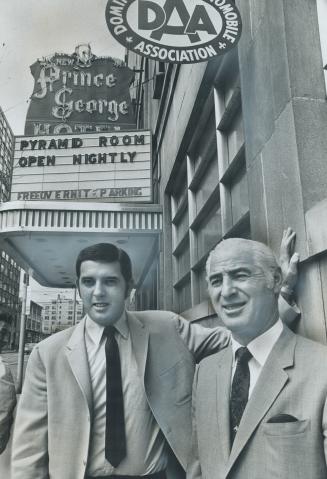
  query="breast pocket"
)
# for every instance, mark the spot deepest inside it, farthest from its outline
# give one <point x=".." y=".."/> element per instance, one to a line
<point x="178" y="381"/>
<point x="285" y="447"/>
<point x="281" y="429"/>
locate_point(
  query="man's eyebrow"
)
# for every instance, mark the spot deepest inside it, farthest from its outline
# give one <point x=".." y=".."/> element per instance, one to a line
<point x="233" y="271"/>
<point x="215" y="275"/>
<point x="89" y="276"/>
<point x="240" y="269"/>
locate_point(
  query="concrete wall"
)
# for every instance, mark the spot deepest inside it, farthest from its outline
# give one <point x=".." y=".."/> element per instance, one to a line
<point x="285" y="119"/>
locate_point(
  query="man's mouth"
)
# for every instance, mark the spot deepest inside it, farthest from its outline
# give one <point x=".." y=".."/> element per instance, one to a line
<point x="233" y="308"/>
<point x="100" y="305"/>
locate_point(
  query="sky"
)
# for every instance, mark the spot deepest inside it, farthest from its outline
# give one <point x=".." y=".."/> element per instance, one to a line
<point x="31" y="29"/>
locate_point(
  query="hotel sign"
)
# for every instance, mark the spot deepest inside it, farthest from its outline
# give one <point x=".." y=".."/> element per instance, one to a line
<point x="103" y="167"/>
<point x="79" y="93"/>
<point x="176" y="31"/>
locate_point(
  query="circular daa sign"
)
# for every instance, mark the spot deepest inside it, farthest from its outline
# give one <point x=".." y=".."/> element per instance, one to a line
<point x="175" y="31"/>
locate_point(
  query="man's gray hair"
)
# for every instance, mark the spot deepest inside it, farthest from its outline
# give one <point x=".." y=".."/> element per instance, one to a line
<point x="262" y="255"/>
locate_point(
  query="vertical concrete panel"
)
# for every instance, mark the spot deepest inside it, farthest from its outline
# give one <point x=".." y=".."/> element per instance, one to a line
<point x="246" y="37"/>
<point x="257" y="202"/>
<point x="282" y="183"/>
<point x="303" y="48"/>
<point x="278" y="61"/>
<point x="264" y="72"/>
<point x="311" y="133"/>
<point x="316" y="225"/>
<point x="311" y="302"/>
<point x="258" y="14"/>
<point x="257" y="87"/>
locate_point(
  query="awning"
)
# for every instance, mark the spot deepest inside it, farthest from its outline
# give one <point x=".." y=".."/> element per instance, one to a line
<point x="45" y="238"/>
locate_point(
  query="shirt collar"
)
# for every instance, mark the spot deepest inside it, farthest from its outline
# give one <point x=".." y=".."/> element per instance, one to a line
<point x="261" y="346"/>
<point x="95" y="330"/>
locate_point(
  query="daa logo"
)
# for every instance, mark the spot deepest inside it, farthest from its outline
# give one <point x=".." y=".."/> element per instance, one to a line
<point x="176" y="31"/>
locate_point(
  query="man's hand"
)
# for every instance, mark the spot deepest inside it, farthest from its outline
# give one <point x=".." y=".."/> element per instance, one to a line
<point x="288" y="262"/>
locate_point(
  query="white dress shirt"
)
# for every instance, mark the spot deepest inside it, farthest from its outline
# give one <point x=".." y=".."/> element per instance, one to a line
<point x="145" y="443"/>
<point x="260" y="348"/>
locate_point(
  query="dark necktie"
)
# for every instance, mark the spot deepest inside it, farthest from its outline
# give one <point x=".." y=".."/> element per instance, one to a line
<point x="240" y="389"/>
<point x="115" y="446"/>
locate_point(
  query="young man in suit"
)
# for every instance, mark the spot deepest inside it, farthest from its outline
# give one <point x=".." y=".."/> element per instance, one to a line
<point x="65" y="427"/>
<point x="259" y="406"/>
<point x="110" y="397"/>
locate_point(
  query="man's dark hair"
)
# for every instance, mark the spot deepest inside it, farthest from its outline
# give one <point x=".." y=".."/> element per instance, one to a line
<point x="108" y="253"/>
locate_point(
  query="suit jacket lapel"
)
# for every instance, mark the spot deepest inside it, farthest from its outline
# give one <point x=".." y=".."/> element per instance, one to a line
<point x="140" y="340"/>
<point x="77" y="359"/>
<point x="223" y="395"/>
<point x="272" y="379"/>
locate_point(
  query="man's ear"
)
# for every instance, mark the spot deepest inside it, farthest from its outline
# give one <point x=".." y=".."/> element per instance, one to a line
<point x="278" y="280"/>
<point x="77" y="286"/>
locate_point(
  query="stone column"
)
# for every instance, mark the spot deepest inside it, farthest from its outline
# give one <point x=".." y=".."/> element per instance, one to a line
<point x="285" y="126"/>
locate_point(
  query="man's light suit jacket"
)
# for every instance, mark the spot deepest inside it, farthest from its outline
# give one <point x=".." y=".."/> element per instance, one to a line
<point x="7" y="404"/>
<point x="283" y="431"/>
<point x="54" y="417"/>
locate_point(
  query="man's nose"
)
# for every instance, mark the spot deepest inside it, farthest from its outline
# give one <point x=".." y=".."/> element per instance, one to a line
<point x="98" y="288"/>
<point x="228" y="287"/>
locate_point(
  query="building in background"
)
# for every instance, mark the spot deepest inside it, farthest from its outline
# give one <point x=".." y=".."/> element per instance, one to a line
<point x="239" y="149"/>
<point x="58" y="314"/>
<point x="9" y="270"/>
<point x="33" y="323"/>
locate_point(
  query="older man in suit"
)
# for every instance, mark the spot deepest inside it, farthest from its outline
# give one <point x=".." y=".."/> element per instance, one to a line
<point x="260" y="406"/>
<point x="110" y="397"/>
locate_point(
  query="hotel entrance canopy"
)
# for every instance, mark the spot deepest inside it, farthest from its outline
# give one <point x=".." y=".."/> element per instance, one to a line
<point x="45" y="238"/>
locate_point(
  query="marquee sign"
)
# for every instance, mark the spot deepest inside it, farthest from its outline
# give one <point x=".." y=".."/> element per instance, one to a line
<point x="90" y="167"/>
<point x="79" y="93"/>
<point x="176" y="31"/>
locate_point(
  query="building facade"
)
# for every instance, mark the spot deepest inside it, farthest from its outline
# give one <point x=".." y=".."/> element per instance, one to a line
<point x="58" y="314"/>
<point x="33" y="328"/>
<point x="239" y="149"/>
<point x="9" y="270"/>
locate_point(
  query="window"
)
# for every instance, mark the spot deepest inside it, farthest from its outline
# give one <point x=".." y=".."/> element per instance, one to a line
<point x="207" y="184"/>
<point x="158" y="79"/>
<point x="183" y="293"/>
<point x="181" y="242"/>
<point x="209" y="232"/>
<point x="231" y="160"/>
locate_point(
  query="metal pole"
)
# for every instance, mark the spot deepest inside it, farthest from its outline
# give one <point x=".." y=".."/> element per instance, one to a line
<point x="20" y="370"/>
